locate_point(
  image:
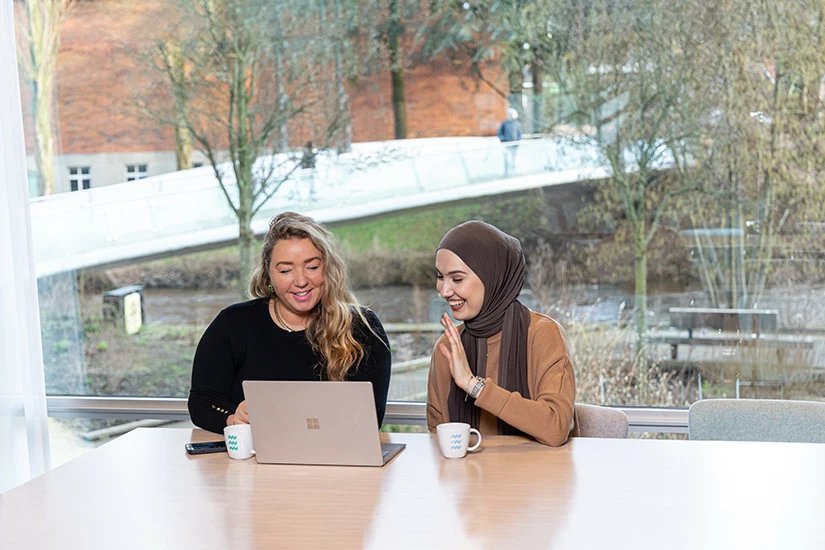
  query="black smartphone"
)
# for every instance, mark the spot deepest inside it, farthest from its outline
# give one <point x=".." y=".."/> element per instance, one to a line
<point x="206" y="447"/>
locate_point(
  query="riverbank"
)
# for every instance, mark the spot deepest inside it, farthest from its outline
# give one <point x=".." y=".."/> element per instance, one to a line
<point x="399" y="250"/>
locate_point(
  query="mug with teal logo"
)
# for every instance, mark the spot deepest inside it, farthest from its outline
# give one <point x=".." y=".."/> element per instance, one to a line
<point x="239" y="441"/>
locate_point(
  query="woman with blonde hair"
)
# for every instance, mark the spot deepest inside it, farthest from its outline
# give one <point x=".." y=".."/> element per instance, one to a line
<point x="303" y="324"/>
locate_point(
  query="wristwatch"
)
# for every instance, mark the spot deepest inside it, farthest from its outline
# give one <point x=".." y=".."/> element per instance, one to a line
<point x="477" y="388"/>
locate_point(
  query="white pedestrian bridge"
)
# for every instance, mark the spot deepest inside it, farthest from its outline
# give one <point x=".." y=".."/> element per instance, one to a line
<point x="187" y="210"/>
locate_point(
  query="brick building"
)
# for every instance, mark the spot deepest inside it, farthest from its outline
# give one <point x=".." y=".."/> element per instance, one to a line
<point x="102" y="138"/>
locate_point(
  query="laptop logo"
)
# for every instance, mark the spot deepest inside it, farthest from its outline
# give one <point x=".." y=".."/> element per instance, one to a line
<point x="313" y="424"/>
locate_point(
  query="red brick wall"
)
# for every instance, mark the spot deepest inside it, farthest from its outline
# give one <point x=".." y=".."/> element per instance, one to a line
<point x="98" y="79"/>
<point x="442" y="100"/>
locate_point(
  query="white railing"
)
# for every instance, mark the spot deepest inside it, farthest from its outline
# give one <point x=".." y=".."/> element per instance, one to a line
<point x="187" y="210"/>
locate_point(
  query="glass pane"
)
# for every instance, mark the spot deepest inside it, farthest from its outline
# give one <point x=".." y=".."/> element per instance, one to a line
<point x="666" y="198"/>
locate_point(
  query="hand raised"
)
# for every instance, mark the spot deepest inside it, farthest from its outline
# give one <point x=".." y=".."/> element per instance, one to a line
<point x="455" y="354"/>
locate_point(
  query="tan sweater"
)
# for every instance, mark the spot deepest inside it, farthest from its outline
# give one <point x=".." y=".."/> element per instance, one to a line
<point x="548" y="416"/>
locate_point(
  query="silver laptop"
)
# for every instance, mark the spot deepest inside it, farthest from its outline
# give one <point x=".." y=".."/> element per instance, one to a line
<point x="316" y="423"/>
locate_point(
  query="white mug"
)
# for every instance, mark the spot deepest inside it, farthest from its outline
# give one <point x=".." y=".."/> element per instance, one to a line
<point x="238" y="441"/>
<point x="454" y="439"/>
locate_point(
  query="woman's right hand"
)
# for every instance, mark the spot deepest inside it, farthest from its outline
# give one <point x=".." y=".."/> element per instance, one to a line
<point x="455" y="354"/>
<point x="240" y="416"/>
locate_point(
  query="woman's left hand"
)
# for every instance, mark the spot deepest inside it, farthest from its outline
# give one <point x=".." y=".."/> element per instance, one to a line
<point x="454" y="352"/>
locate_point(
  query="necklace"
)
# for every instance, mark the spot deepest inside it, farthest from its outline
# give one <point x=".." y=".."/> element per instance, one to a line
<point x="278" y="317"/>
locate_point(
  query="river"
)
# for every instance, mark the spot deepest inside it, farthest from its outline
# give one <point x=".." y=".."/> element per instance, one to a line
<point x="802" y="307"/>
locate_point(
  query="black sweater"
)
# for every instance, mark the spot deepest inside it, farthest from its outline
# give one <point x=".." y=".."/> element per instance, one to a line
<point x="243" y="343"/>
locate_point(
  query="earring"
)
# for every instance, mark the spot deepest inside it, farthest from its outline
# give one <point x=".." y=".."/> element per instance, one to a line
<point x="271" y="289"/>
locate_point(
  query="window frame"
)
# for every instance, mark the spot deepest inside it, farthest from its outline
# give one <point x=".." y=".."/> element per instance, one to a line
<point x="80" y="177"/>
<point x="138" y="171"/>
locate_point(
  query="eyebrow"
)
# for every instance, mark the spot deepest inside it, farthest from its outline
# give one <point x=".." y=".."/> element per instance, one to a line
<point x="453" y="272"/>
<point x="313" y="259"/>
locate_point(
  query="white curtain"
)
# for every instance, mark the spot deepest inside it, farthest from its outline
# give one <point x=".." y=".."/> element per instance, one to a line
<point x="24" y="435"/>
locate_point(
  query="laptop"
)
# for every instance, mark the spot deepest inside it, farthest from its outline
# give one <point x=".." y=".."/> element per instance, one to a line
<point x="331" y="423"/>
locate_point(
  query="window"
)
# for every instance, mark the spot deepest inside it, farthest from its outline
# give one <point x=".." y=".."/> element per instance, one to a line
<point x="745" y="241"/>
<point x="137" y="172"/>
<point x="80" y="177"/>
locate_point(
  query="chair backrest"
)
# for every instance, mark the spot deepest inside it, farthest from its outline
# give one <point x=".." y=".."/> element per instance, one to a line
<point x="596" y="421"/>
<point x="757" y="420"/>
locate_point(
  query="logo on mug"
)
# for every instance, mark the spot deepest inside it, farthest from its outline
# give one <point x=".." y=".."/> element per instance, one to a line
<point x="313" y="424"/>
<point x="233" y="442"/>
<point x="455" y="442"/>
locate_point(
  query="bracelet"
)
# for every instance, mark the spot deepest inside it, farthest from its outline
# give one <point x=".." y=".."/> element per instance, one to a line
<point x="469" y="383"/>
<point x="477" y="388"/>
<point x="468" y="390"/>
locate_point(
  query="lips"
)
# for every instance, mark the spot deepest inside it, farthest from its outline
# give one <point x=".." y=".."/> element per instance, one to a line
<point x="455" y="305"/>
<point x="302" y="296"/>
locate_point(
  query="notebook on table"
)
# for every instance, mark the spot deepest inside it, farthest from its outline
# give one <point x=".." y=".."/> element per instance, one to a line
<point x="330" y="423"/>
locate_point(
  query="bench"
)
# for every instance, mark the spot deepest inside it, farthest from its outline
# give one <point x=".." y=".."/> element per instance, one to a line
<point x="751" y="323"/>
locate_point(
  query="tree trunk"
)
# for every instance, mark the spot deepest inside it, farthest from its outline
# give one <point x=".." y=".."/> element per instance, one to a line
<point x="183" y="137"/>
<point x="283" y="143"/>
<point x="45" y="18"/>
<point x="538" y="96"/>
<point x="399" y="105"/>
<point x="243" y="161"/>
<point x="246" y="245"/>
<point x="640" y="268"/>
<point x="183" y="145"/>
<point x="44" y="152"/>
<point x="343" y="141"/>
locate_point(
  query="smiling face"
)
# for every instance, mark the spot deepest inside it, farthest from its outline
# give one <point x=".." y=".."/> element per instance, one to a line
<point x="296" y="270"/>
<point x="459" y="285"/>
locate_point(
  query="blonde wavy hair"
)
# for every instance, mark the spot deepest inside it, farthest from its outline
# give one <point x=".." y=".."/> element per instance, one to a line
<point x="330" y="328"/>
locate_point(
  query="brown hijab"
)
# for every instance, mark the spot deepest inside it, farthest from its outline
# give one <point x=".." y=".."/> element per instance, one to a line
<point x="497" y="259"/>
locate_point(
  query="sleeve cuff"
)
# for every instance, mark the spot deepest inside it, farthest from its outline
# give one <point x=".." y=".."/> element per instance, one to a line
<point x="493" y="397"/>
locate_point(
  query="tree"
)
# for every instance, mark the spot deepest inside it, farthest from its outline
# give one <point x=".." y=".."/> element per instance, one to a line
<point x="626" y="71"/>
<point x="42" y="36"/>
<point x="511" y="36"/>
<point x="724" y="100"/>
<point x="242" y="72"/>
<point x="761" y="158"/>
<point x="175" y="65"/>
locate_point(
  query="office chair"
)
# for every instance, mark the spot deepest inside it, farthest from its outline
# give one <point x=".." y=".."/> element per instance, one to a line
<point x="596" y="421"/>
<point x="757" y="420"/>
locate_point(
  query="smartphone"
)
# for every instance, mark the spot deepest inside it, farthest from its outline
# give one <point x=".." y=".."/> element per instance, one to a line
<point x="206" y="447"/>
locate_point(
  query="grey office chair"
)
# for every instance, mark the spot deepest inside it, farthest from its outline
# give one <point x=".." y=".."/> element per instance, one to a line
<point x="596" y="421"/>
<point x="757" y="420"/>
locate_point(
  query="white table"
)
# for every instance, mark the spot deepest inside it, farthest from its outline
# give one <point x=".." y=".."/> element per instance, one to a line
<point x="142" y="491"/>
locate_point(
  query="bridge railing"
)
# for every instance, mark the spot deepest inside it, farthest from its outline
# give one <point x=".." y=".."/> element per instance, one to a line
<point x="187" y="210"/>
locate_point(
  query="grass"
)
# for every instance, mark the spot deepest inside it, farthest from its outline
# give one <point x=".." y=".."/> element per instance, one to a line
<point x="156" y="361"/>
<point x="421" y="230"/>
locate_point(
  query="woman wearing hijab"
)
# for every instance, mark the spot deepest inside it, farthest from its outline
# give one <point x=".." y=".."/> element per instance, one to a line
<point x="507" y="369"/>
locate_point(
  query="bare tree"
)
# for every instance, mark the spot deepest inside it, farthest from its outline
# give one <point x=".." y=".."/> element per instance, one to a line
<point x="762" y="156"/>
<point x="39" y="57"/>
<point x="241" y="72"/>
<point x="626" y="71"/>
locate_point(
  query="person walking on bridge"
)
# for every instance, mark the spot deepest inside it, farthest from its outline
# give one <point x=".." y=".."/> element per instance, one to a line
<point x="509" y="133"/>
